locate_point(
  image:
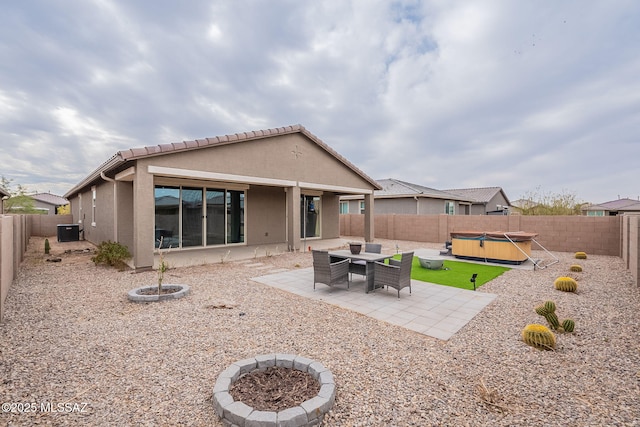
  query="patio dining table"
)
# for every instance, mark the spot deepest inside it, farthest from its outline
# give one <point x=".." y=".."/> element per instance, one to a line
<point x="369" y="257"/>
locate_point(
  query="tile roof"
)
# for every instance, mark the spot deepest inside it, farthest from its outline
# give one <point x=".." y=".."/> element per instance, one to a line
<point x="396" y="188"/>
<point x="479" y="195"/>
<point x="617" y="205"/>
<point x="156" y="150"/>
<point x="49" y="198"/>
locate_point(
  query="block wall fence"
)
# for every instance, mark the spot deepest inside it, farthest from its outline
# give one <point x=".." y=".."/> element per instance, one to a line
<point x="612" y="235"/>
<point x="15" y="231"/>
<point x="616" y="236"/>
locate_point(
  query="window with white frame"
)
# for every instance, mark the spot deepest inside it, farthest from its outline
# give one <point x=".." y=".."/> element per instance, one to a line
<point x="362" y="207"/>
<point x="449" y="208"/>
<point x="344" y="207"/>
<point x="80" y="211"/>
<point x="93" y="205"/>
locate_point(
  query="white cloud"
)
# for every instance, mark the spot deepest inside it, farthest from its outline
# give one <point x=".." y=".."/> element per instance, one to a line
<point x="445" y="94"/>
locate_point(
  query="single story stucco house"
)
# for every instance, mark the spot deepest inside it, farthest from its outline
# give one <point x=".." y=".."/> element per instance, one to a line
<point x="48" y="203"/>
<point x="401" y="197"/>
<point x="275" y="186"/>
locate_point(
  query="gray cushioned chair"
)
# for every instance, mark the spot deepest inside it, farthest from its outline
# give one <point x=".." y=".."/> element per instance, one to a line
<point x="396" y="274"/>
<point x="329" y="273"/>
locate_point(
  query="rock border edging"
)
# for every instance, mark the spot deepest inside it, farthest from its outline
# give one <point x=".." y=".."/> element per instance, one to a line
<point x="308" y="413"/>
<point x="135" y="296"/>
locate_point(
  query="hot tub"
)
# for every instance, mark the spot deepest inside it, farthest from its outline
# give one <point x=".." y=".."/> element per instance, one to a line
<point x="494" y="246"/>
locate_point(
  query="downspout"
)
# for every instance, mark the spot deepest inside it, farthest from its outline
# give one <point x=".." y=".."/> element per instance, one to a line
<point x="115" y="204"/>
<point x="417" y="205"/>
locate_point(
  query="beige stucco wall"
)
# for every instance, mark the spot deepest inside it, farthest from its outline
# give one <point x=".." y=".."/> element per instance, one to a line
<point x="265" y="207"/>
<point x="125" y="214"/>
<point x="286" y="157"/>
<point x="101" y="227"/>
<point x="330" y="216"/>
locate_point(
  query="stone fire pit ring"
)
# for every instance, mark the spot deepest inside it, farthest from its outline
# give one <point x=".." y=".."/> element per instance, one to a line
<point x="308" y="413"/>
<point x="180" y="291"/>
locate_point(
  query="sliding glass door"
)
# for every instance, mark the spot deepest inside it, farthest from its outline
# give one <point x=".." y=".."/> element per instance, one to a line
<point x="197" y="216"/>
<point x="167" y="216"/>
<point x="192" y="216"/>
<point x="215" y="217"/>
<point x="309" y="216"/>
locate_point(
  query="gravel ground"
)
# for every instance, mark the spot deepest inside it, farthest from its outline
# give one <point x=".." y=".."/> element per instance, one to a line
<point x="71" y="339"/>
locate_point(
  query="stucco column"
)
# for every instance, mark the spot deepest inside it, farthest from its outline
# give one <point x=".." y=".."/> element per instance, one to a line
<point x="368" y="218"/>
<point x="293" y="218"/>
<point x="143" y="219"/>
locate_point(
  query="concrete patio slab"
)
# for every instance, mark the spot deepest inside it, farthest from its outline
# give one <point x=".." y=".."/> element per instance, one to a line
<point x="434" y="310"/>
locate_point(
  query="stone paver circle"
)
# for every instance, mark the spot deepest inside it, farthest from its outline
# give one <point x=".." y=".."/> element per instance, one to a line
<point x="308" y="413"/>
<point x="136" y="295"/>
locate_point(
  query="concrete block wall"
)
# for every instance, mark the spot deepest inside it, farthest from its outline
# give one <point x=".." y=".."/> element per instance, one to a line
<point x="594" y="235"/>
<point x="11" y="253"/>
<point x="15" y="231"/>
<point x="6" y="259"/>
<point x="630" y="245"/>
<point x="613" y="235"/>
<point x="47" y="225"/>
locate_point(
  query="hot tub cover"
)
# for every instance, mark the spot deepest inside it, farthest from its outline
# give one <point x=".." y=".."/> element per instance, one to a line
<point x="516" y="236"/>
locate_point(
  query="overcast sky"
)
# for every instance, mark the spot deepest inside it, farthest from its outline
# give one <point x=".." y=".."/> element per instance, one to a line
<point x="536" y="97"/>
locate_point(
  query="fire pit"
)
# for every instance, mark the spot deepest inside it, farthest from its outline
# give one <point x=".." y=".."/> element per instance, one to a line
<point x="308" y="413"/>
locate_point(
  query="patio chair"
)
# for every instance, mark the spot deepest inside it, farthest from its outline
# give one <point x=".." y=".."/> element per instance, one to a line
<point x="329" y="273"/>
<point x="359" y="266"/>
<point x="396" y="274"/>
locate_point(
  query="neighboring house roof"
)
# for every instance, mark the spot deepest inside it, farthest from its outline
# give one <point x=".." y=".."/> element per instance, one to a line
<point x="396" y="188"/>
<point x="49" y="198"/>
<point x="620" y="205"/>
<point x="524" y="204"/>
<point x="125" y="156"/>
<point x="4" y="193"/>
<point x="479" y="195"/>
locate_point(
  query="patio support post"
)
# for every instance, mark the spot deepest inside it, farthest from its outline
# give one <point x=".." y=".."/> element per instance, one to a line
<point x="143" y="220"/>
<point x="368" y="217"/>
<point x="293" y="218"/>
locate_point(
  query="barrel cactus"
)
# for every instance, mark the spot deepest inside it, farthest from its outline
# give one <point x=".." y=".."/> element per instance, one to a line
<point x="568" y="325"/>
<point x="541" y="310"/>
<point x="575" y="268"/>
<point x="550" y="306"/>
<point x="539" y="336"/>
<point x="566" y="284"/>
<point x="581" y="255"/>
<point x="547" y="310"/>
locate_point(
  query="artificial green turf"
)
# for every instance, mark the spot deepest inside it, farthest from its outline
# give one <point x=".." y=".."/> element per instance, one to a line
<point x="456" y="273"/>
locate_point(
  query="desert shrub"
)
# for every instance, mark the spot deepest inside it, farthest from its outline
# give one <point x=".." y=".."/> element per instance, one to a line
<point x="112" y="253"/>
